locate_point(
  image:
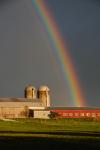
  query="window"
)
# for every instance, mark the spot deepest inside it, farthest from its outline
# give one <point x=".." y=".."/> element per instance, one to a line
<point x="82" y="114"/>
<point x="70" y="114"/>
<point x="88" y="114"/>
<point x="93" y="114"/>
<point x="76" y="114"/>
<point x="64" y="114"/>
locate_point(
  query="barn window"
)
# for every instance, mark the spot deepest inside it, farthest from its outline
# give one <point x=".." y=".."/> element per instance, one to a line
<point x="76" y="114"/>
<point x="88" y="114"/>
<point x="64" y="114"/>
<point x="93" y="114"/>
<point x="82" y="114"/>
<point x="70" y="114"/>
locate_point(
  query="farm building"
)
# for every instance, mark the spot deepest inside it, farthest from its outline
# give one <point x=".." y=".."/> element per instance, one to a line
<point x="76" y="112"/>
<point x="36" y="104"/>
<point x="65" y="112"/>
<point x="22" y="107"/>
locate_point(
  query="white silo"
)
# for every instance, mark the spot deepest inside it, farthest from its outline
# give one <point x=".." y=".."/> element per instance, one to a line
<point x="44" y="95"/>
<point x="30" y="92"/>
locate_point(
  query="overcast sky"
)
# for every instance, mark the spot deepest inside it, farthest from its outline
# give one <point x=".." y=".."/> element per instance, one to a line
<point x="26" y="59"/>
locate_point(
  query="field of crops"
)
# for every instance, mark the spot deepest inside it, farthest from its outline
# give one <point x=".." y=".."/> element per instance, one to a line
<point x="67" y="132"/>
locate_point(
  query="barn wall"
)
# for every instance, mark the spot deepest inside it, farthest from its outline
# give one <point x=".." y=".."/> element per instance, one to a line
<point x="14" y="109"/>
<point x="42" y="114"/>
<point x="20" y="104"/>
<point x="13" y="112"/>
<point x="78" y="113"/>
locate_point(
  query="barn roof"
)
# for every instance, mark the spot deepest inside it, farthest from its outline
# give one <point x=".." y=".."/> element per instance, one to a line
<point x="73" y="108"/>
<point x="18" y="100"/>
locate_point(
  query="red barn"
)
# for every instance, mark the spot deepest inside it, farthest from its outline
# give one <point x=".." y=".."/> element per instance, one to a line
<point x="76" y="112"/>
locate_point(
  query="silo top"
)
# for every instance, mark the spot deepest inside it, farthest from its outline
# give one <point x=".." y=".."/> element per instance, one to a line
<point x="30" y="87"/>
<point x="44" y="88"/>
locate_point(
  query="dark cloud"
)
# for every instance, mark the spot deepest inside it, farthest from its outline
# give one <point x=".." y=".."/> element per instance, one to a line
<point x="26" y="56"/>
<point x="95" y="1"/>
<point x="79" y="23"/>
<point x="6" y="1"/>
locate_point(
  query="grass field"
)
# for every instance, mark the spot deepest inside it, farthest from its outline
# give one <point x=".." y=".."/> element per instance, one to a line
<point x="57" y="133"/>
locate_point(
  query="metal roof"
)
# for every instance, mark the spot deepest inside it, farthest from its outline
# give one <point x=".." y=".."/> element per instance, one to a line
<point x="18" y="100"/>
<point x="73" y="108"/>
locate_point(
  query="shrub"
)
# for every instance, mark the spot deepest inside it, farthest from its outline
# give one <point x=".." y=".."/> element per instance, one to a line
<point x="53" y="115"/>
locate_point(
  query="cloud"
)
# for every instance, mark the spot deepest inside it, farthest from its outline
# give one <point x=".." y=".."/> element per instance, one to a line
<point x="6" y="2"/>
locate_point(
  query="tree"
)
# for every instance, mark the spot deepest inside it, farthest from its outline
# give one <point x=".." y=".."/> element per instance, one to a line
<point x="53" y="115"/>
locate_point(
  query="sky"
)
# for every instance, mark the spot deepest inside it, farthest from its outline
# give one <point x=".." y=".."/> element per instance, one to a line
<point x="26" y="59"/>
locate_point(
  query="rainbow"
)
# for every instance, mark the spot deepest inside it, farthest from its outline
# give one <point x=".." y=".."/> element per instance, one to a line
<point x="58" y="47"/>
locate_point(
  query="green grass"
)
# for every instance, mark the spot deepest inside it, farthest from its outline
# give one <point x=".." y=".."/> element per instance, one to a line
<point x="55" y="134"/>
<point x="60" y="128"/>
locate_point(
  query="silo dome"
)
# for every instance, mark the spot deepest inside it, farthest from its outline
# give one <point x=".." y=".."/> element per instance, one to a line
<point x="30" y="87"/>
<point x="44" y="88"/>
<point x="30" y="92"/>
